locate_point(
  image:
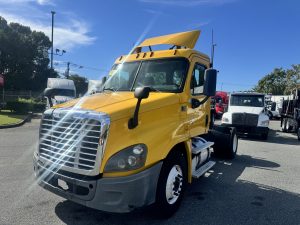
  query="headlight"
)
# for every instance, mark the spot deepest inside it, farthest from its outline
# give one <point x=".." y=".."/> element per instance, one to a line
<point x="130" y="158"/>
<point x="225" y="120"/>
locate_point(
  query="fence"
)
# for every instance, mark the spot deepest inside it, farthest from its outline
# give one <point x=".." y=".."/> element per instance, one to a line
<point x="6" y="96"/>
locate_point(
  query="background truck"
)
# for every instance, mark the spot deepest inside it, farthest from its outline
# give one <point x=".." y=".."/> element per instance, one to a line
<point x="247" y="113"/>
<point x="290" y="114"/>
<point x="143" y="138"/>
<point x="221" y="103"/>
<point x="59" y="91"/>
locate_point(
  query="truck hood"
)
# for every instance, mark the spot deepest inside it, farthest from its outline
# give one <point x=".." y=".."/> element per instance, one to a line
<point x="121" y="104"/>
<point x="245" y="109"/>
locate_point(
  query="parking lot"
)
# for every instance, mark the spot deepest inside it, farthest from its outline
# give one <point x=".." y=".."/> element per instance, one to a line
<point x="261" y="186"/>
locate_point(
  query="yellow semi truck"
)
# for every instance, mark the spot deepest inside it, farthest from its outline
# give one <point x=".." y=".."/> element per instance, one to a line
<point x="143" y="138"/>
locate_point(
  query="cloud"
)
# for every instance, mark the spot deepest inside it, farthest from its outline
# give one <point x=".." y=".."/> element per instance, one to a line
<point x="198" y="25"/>
<point x="14" y="2"/>
<point x="68" y="34"/>
<point x="190" y="3"/>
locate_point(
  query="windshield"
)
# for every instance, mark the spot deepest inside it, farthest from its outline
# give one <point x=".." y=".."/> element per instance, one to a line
<point x="166" y="75"/>
<point x="247" y="100"/>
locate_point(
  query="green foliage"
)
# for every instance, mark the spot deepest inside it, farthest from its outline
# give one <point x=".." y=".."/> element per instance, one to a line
<point x="81" y="84"/>
<point x="25" y="106"/>
<point x="23" y="57"/>
<point x="279" y="81"/>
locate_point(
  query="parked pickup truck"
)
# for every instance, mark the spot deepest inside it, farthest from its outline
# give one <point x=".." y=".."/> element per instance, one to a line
<point x="143" y="138"/>
<point x="247" y="113"/>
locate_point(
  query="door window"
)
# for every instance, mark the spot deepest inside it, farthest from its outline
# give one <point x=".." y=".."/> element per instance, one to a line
<point x="197" y="81"/>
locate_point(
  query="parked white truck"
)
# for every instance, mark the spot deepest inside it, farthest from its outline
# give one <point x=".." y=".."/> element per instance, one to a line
<point x="62" y="90"/>
<point x="247" y="112"/>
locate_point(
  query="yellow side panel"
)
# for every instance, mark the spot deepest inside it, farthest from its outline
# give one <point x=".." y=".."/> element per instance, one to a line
<point x="159" y="129"/>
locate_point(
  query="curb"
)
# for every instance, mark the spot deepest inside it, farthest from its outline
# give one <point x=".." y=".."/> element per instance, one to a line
<point x="27" y="119"/>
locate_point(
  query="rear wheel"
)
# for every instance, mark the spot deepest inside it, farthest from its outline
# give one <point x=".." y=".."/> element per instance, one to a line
<point x="171" y="185"/>
<point x="226" y="142"/>
<point x="298" y="133"/>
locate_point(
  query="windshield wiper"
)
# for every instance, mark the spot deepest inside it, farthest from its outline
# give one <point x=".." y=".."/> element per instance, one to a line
<point x="108" y="89"/>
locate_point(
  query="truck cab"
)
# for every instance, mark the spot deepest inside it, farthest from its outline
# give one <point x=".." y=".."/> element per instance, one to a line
<point x="221" y="103"/>
<point x="143" y="138"/>
<point x="59" y="91"/>
<point x="247" y="112"/>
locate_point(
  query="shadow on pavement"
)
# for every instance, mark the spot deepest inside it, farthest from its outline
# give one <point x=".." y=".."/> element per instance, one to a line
<point x="275" y="136"/>
<point x="220" y="197"/>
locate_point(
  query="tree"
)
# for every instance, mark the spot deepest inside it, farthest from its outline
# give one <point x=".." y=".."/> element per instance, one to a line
<point x="293" y="78"/>
<point x="81" y="84"/>
<point x="280" y="81"/>
<point x="22" y="57"/>
<point x="274" y="83"/>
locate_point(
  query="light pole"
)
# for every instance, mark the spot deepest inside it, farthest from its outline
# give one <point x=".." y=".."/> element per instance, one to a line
<point x="52" y="12"/>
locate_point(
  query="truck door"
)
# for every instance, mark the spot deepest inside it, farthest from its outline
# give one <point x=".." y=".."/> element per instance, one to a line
<point x="198" y="117"/>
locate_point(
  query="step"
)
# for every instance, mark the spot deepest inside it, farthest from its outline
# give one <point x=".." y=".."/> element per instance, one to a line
<point x="203" y="169"/>
<point x="201" y="145"/>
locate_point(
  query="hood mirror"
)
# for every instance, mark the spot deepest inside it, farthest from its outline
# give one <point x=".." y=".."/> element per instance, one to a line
<point x="139" y="93"/>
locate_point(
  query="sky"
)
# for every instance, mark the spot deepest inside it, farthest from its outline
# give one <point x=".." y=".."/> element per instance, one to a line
<point x="253" y="36"/>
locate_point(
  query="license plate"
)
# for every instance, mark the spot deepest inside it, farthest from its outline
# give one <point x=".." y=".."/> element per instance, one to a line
<point x="63" y="184"/>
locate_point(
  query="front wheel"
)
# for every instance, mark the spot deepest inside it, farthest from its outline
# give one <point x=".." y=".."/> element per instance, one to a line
<point x="298" y="134"/>
<point x="171" y="185"/>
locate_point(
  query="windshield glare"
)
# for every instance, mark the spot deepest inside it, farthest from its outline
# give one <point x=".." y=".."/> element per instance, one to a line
<point x="166" y="75"/>
<point x="247" y="100"/>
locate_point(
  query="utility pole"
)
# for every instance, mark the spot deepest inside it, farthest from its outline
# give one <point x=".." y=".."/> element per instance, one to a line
<point x="52" y="12"/>
<point x="213" y="45"/>
<point x="68" y="70"/>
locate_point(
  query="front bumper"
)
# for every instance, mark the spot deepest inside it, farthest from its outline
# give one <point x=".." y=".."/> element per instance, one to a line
<point x="248" y="129"/>
<point x="120" y="194"/>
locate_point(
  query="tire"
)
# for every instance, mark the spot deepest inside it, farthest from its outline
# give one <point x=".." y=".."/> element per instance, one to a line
<point x="173" y="175"/>
<point x="298" y="134"/>
<point x="233" y="145"/>
<point x="283" y="125"/>
<point x="288" y="126"/>
<point x="226" y="143"/>
<point x="264" y="136"/>
<point x="270" y="114"/>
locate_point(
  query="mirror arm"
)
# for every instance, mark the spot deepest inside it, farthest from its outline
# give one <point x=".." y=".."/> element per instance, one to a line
<point x="134" y="121"/>
<point x="204" y="100"/>
<point x="50" y="101"/>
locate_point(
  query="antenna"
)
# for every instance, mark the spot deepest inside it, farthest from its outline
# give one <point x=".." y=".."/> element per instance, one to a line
<point x="213" y="45"/>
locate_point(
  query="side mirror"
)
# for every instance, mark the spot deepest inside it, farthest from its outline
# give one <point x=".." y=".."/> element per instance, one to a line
<point x="142" y="92"/>
<point x="48" y="92"/>
<point x="139" y="93"/>
<point x="210" y="82"/>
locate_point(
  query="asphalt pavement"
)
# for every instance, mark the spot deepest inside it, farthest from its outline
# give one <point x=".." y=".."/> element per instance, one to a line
<point x="260" y="186"/>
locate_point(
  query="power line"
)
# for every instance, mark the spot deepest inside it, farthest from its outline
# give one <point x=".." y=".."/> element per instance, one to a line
<point x="82" y="67"/>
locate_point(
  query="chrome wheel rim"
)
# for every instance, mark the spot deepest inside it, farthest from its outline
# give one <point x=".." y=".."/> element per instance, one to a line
<point x="234" y="144"/>
<point x="174" y="184"/>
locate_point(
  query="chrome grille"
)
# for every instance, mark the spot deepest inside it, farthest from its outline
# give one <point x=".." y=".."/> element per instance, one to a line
<point x="73" y="140"/>
<point x="247" y="119"/>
